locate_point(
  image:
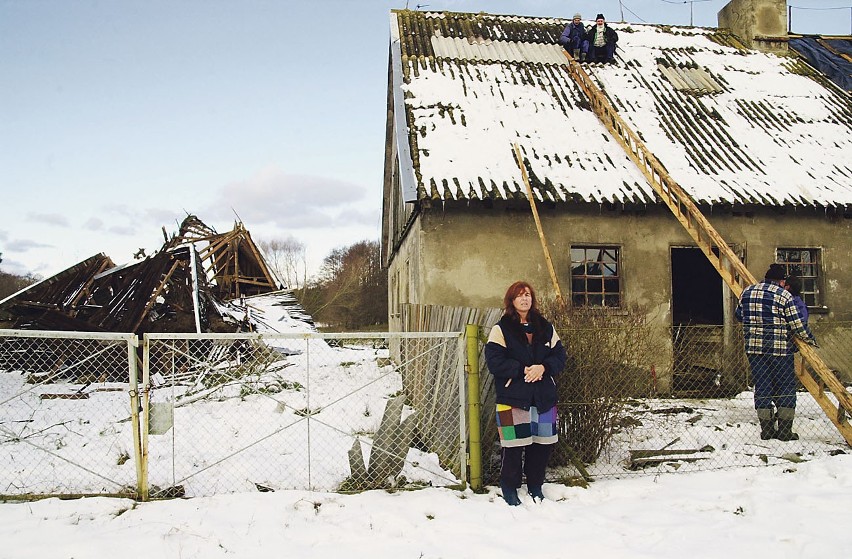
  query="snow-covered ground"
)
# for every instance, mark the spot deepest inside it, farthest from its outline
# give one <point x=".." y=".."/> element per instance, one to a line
<point x="784" y="512"/>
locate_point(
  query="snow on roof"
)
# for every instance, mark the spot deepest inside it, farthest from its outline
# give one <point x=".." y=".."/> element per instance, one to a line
<point x="732" y="126"/>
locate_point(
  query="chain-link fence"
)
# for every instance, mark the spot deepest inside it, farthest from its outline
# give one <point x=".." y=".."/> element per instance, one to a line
<point x="332" y="412"/>
<point x="635" y="399"/>
<point x="65" y="414"/>
<point x="347" y="412"/>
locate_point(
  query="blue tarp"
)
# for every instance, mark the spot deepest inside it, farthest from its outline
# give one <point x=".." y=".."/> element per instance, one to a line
<point x="838" y="69"/>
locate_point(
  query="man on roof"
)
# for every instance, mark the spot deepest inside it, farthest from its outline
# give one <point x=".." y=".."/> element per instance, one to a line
<point x="573" y="38"/>
<point x="601" y="40"/>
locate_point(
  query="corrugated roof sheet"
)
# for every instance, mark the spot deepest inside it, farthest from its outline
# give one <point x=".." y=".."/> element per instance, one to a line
<point x="730" y="125"/>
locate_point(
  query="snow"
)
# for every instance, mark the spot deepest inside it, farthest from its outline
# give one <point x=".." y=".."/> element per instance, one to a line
<point x="782" y="511"/>
<point x="769" y="136"/>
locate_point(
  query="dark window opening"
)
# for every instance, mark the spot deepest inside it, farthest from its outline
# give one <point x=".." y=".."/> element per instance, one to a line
<point x="595" y="277"/>
<point x="696" y="289"/>
<point x="804" y="263"/>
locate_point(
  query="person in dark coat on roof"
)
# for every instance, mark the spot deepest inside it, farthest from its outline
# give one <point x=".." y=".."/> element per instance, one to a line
<point x="602" y="39"/>
<point x="573" y="38"/>
<point x="770" y="323"/>
<point x="524" y="354"/>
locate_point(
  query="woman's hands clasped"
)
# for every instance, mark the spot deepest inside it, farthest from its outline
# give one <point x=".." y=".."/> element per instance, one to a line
<point x="533" y="373"/>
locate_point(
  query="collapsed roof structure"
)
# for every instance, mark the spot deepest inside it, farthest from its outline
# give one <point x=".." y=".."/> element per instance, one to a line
<point x="183" y="287"/>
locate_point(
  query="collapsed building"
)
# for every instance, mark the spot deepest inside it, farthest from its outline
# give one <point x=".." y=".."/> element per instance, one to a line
<point x="199" y="281"/>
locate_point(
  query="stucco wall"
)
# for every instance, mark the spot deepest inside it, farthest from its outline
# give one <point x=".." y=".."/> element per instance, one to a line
<point x="468" y="257"/>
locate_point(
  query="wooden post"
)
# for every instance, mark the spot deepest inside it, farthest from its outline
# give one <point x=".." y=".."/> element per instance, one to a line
<point x="541" y="237"/>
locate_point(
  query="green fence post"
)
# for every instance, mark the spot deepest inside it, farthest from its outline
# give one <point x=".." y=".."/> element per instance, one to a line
<point x="473" y="406"/>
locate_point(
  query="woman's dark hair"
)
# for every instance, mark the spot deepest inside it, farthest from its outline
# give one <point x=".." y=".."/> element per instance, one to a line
<point x="795" y="285"/>
<point x="514" y="290"/>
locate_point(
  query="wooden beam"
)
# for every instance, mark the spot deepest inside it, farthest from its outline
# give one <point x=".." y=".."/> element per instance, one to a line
<point x="538" y="226"/>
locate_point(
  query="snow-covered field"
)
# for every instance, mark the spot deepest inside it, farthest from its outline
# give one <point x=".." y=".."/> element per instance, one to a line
<point x="786" y="511"/>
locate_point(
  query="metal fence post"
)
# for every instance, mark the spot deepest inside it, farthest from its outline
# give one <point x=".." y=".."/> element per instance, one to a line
<point x="144" y="406"/>
<point x="135" y="406"/>
<point x="475" y="438"/>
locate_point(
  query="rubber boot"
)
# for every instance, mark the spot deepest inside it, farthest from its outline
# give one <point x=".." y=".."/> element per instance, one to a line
<point x="785" y="425"/>
<point x="766" y="416"/>
<point x="576" y="54"/>
<point x="510" y="495"/>
<point x="535" y="493"/>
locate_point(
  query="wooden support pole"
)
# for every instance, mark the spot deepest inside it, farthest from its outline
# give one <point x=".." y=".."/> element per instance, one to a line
<point x="541" y="237"/>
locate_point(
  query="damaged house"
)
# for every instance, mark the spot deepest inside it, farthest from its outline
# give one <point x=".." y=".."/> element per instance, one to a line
<point x="756" y="136"/>
<point x="199" y="281"/>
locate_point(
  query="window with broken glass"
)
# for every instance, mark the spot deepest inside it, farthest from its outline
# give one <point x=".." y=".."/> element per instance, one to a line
<point x="595" y="276"/>
<point x="803" y="262"/>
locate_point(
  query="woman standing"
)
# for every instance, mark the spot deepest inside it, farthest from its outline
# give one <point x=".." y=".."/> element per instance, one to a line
<point x="524" y="354"/>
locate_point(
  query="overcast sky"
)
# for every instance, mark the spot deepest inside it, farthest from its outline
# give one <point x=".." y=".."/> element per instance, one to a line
<point x="117" y="118"/>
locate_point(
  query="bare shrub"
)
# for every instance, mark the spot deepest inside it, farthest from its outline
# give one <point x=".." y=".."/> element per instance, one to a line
<point x="610" y="352"/>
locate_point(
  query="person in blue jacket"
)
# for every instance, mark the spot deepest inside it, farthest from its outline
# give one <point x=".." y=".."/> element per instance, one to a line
<point x="573" y="38"/>
<point x="524" y="354"/>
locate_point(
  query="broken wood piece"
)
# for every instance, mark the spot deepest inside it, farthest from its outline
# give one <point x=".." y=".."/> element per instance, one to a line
<point x="64" y="396"/>
<point x="643" y="458"/>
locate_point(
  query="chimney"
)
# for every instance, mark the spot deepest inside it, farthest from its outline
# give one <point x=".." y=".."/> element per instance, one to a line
<point x="759" y="24"/>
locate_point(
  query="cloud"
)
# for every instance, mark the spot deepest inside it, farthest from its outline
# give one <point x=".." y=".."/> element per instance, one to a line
<point x="24" y="245"/>
<point x="49" y="219"/>
<point x="287" y="200"/>
<point x="94" y="224"/>
<point x="125" y="230"/>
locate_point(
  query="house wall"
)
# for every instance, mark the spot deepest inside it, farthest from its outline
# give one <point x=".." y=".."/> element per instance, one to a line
<point x="466" y="256"/>
<point x="470" y="256"/>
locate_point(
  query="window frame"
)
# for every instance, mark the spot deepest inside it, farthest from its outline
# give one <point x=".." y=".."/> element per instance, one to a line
<point x="812" y="284"/>
<point x="588" y="297"/>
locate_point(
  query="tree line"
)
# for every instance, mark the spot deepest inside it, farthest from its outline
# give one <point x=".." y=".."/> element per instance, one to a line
<point x="12" y="283"/>
<point x="348" y="292"/>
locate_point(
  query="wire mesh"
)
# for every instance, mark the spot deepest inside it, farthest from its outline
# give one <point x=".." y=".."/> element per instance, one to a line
<point x="332" y="412"/>
<point x="65" y="424"/>
<point x="639" y="400"/>
<point x="348" y="412"/>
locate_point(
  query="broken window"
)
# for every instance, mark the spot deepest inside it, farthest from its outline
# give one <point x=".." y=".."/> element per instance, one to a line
<point x="804" y="263"/>
<point x="595" y="276"/>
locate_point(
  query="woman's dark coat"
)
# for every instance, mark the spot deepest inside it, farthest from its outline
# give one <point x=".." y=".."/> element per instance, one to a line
<point x="508" y="352"/>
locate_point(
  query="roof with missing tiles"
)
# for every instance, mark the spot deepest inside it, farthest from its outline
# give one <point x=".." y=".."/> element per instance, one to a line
<point x="732" y="126"/>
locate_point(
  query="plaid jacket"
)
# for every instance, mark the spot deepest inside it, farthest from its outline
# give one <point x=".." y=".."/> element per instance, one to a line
<point x="770" y="320"/>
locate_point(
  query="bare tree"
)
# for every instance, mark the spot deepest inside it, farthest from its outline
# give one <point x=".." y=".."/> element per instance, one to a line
<point x="288" y="260"/>
<point x="351" y="288"/>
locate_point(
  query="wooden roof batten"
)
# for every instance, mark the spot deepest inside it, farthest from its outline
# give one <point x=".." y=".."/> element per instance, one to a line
<point x="817" y="378"/>
<point x="233" y="274"/>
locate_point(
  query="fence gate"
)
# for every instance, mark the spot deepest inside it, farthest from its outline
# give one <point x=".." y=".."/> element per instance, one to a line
<point x="66" y="414"/>
<point x="330" y="412"/>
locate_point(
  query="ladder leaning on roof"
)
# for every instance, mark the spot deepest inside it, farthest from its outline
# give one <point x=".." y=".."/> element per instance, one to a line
<point x="816" y="377"/>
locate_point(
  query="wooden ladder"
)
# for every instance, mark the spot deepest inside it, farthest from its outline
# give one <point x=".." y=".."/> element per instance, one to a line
<point x="816" y="377"/>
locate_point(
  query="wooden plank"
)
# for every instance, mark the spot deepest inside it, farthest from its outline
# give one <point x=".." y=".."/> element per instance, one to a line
<point x="64" y="396"/>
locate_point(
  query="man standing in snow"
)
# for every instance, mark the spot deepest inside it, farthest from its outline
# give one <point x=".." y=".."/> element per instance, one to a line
<point x="770" y="320"/>
<point x="601" y="39"/>
<point x="573" y="38"/>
